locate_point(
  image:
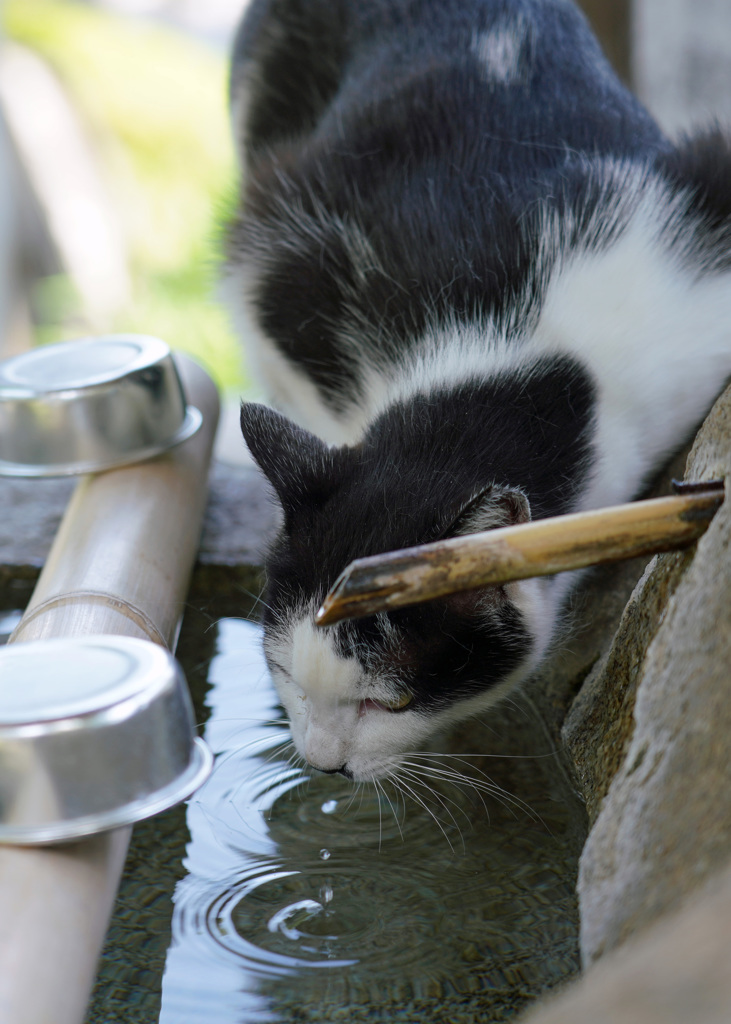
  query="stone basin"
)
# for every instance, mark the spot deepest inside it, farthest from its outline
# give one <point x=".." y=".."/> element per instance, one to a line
<point x="636" y="697"/>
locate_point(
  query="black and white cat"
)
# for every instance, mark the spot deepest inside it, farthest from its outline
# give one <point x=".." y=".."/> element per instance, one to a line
<point x="485" y="287"/>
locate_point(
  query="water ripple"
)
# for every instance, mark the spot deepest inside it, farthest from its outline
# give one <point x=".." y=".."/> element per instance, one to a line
<point x="310" y="899"/>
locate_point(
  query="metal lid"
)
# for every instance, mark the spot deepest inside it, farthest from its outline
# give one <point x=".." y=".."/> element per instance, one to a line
<point x="95" y="732"/>
<point x="90" y="404"/>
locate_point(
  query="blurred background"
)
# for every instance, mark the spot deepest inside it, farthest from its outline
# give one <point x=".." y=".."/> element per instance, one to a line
<point x="116" y="168"/>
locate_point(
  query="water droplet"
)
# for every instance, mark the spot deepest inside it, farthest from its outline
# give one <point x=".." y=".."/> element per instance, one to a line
<point x="326" y="893"/>
<point x="329" y="807"/>
<point x="325" y="855"/>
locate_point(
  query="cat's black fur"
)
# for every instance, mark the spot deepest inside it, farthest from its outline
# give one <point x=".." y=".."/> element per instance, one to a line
<point x="439" y="170"/>
<point x="420" y="180"/>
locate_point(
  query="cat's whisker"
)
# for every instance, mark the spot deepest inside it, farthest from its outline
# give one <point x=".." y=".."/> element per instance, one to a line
<point x="291" y="761"/>
<point x="393" y="809"/>
<point x="514" y="703"/>
<point x="454" y="773"/>
<point x="380" y="821"/>
<point x="457" y="779"/>
<point x="282" y="777"/>
<point x="418" y="779"/>
<point x="399" y="782"/>
<point x="423" y="780"/>
<point x="221" y="757"/>
<point x="509" y="800"/>
<point x="294" y="756"/>
<point x="463" y="784"/>
<point x="255" y="721"/>
<point x="211" y="819"/>
<point x="257" y="599"/>
<point x="507" y="757"/>
<point x="249" y="748"/>
<point x="234" y="807"/>
<point x="356" y="791"/>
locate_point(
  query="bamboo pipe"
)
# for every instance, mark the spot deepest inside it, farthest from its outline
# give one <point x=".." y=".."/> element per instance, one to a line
<point x="120" y="563"/>
<point x="541" y="548"/>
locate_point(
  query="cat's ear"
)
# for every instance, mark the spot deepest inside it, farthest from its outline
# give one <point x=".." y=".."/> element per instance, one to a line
<point x="298" y="464"/>
<point x="490" y="509"/>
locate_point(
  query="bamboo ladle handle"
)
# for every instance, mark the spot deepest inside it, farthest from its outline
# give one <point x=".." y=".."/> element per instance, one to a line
<point x="541" y="548"/>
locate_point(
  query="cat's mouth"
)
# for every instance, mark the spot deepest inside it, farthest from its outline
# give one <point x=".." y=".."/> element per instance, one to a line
<point x="343" y="770"/>
<point x="373" y="772"/>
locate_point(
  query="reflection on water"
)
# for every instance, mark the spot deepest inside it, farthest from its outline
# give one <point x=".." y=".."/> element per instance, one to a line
<point x="310" y="899"/>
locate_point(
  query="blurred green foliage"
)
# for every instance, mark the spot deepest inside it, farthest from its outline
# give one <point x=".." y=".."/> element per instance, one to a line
<point x="154" y="104"/>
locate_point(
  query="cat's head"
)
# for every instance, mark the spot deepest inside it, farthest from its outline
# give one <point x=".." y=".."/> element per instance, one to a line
<point x="361" y="694"/>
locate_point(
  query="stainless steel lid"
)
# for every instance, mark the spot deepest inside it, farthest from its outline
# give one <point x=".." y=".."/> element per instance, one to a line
<point x="95" y="732"/>
<point x="89" y="405"/>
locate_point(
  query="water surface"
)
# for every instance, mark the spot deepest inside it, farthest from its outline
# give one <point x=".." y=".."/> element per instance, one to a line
<point x="308" y="898"/>
<point x="305" y="898"/>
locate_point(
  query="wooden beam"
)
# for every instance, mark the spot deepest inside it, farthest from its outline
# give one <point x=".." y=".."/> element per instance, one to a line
<point x="541" y="548"/>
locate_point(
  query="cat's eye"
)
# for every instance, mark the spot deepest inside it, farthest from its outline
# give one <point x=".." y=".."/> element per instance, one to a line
<point x="397" y="703"/>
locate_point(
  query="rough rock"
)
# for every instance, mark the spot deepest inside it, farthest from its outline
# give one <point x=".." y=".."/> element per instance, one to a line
<point x="31" y="512"/>
<point x="600" y="723"/>
<point x="571" y="684"/>
<point x="665" y="824"/>
<point x="677" y="972"/>
<point x="240" y="517"/>
<point x="239" y="522"/>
